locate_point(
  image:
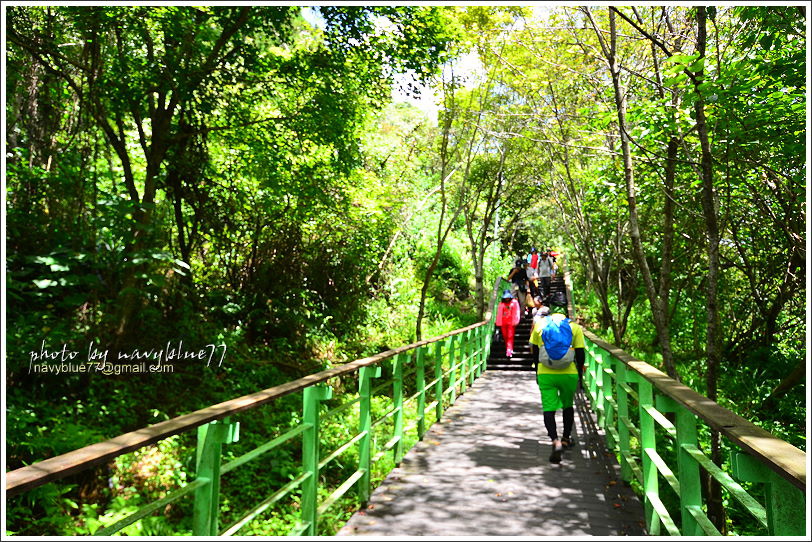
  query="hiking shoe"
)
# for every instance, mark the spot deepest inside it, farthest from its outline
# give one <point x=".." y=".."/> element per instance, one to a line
<point x="567" y="442"/>
<point x="555" y="457"/>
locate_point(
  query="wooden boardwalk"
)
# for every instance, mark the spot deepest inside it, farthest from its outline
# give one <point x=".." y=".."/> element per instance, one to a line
<point x="484" y="470"/>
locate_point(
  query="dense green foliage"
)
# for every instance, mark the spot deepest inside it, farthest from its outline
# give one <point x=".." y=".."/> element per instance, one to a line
<point x="238" y="176"/>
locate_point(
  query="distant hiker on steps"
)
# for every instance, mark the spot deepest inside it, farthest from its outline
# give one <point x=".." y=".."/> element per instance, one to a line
<point x="508" y="314"/>
<point x="533" y="258"/>
<point x="544" y="272"/>
<point x="518" y="276"/>
<point x="533" y="280"/>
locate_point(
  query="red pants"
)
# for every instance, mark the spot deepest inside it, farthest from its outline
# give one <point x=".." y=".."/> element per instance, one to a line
<point x="508" y="331"/>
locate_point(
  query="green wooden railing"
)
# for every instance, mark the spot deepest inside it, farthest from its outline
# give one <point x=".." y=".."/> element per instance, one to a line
<point x="648" y="417"/>
<point x="436" y="370"/>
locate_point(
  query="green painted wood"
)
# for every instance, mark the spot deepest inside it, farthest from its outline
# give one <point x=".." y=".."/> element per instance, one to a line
<point x="264" y="505"/>
<point x="783" y="499"/>
<point x="453" y="364"/>
<point x="151" y="508"/>
<point x="664" y="422"/>
<point x="420" y="383"/>
<point x="689" y="476"/>
<point x="782" y="472"/>
<point x="621" y="391"/>
<point x="397" y="399"/>
<point x="592" y="370"/>
<point x="648" y="442"/>
<point x="365" y="377"/>
<point x="737" y="491"/>
<point x="210" y="439"/>
<point x="465" y="356"/>
<point x="481" y="334"/>
<point x="781" y="457"/>
<point x="600" y="404"/>
<point x="664" y="470"/>
<point x="438" y="377"/>
<point x="635" y="467"/>
<point x="659" y="515"/>
<point x="258" y="451"/>
<point x="610" y="404"/>
<point x="340" y="450"/>
<point x="784" y="505"/>
<point x="311" y="404"/>
<point x="629" y="425"/>
<point x="699" y="517"/>
<point x="630" y="391"/>
<point x="339" y="492"/>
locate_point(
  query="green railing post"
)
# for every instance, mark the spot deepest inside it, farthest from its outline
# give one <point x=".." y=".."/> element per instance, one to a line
<point x="470" y="339"/>
<point x="609" y="397"/>
<point x="438" y="376"/>
<point x="210" y="440"/>
<point x="690" y="484"/>
<point x="465" y="351"/>
<point x="420" y="382"/>
<point x="784" y="505"/>
<point x="365" y="376"/>
<point x="592" y="385"/>
<point x="600" y="406"/>
<point x="452" y="379"/>
<point x="397" y="398"/>
<point x="623" y="419"/>
<point x="481" y="333"/>
<point x="470" y="351"/>
<point x="488" y="345"/>
<point x="784" y="501"/>
<point x="648" y="442"/>
<point x="311" y="399"/>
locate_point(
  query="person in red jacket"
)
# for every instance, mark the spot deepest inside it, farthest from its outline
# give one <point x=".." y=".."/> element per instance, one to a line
<point x="533" y="258"/>
<point x="508" y="314"/>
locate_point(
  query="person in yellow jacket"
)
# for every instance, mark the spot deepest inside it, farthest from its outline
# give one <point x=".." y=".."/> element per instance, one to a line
<point x="557" y="386"/>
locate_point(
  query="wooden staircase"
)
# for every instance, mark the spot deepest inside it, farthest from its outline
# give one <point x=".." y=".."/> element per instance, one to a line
<point x="522" y="359"/>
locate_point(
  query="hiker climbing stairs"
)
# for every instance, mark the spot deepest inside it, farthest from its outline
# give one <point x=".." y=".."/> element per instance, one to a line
<point x="558" y="292"/>
<point x="522" y="359"/>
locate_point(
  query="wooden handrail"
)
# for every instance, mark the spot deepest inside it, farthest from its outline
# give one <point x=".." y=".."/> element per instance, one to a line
<point x="780" y="456"/>
<point x="55" y="468"/>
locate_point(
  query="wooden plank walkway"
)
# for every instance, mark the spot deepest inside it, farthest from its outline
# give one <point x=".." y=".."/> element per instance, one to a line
<point x="484" y="470"/>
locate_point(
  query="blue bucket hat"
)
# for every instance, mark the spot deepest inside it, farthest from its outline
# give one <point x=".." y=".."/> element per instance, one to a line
<point x="507" y="295"/>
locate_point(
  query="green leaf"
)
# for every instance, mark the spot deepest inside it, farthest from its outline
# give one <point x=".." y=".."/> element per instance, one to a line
<point x="45" y="283"/>
<point x="682" y="59"/>
<point x="698" y="65"/>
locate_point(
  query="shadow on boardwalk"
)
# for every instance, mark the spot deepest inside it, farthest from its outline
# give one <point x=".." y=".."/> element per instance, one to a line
<point x="484" y="471"/>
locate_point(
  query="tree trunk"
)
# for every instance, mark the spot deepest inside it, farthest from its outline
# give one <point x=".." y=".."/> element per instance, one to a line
<point x="479" y="289"/>
<point x="793" y="379"/>
<point x="441" y="237"/>
<point x="658" y="310"/>
<point x="427" y="279"/>
<point x="716" y="510"/>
